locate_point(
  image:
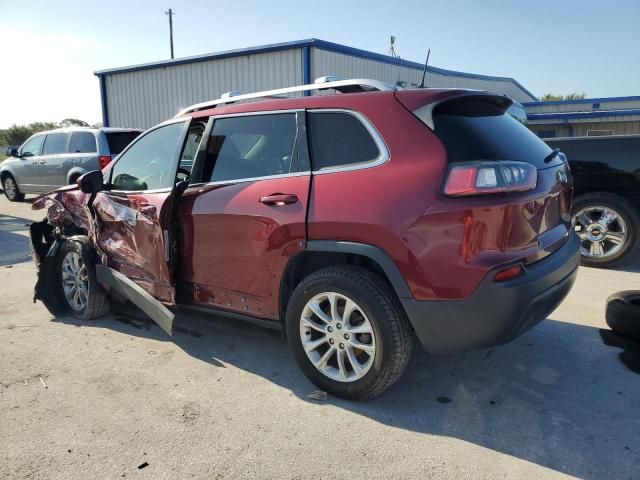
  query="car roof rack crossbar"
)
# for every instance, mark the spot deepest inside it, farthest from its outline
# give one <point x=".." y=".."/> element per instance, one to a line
<point x="321" y="83"/>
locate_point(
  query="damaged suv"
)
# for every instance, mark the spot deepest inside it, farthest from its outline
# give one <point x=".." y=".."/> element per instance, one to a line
<point x="354" y="222"/>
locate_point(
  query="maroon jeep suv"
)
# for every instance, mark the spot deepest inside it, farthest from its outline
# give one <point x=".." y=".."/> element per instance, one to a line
<point x="353" y="222"/>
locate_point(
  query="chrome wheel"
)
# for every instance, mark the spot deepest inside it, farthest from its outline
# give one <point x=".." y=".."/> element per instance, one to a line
<point x="337" y="337"/>
<point x="75" y="281"/>
<point x="10" y="188"/>
<point x="602" y="231"/>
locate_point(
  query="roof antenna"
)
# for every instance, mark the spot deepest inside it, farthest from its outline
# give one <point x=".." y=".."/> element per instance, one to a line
<point x="424" y="72"/>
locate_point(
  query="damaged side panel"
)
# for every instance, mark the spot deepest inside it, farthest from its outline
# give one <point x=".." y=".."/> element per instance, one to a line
<point x="127" y="235"/>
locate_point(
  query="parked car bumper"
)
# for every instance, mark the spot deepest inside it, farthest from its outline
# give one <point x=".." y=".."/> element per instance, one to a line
<point x="497" y="312"/>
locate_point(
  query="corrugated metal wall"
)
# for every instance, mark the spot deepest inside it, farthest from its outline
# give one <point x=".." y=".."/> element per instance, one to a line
<point x="580" y="129"/>
<point x="325" y="62"/>
<point x="145" y="98"/>
<point x="552" y="107"/>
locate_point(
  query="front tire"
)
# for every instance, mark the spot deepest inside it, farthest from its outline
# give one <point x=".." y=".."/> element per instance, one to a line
<point x="608" y="226"/>
<point x="78" y="288"/>
<point x="11" y="190"/>
<point x="348" y="332"/>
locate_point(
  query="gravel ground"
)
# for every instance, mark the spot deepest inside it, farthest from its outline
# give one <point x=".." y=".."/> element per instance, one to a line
<point x="117" y="398"/>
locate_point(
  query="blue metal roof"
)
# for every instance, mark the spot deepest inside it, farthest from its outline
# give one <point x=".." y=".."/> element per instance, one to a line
<point x="311" y="42"/>
<point x="582" y="100"/>
<point x="572" y="115"/>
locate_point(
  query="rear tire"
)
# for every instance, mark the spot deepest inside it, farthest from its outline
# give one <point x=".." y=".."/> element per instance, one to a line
<point x="626" y="227"/>
<point x="623" y="314"/>
<point x="377" y="324"/>
<point x="11" y="190"/>
<point x="78" y="288"/>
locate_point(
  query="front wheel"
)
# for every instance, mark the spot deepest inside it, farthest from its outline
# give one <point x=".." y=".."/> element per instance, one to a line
<point x="607" y="226"/>
<point x="348" y="332"/>
<point x="11" y="190"/>
<point x="78" y="288"/>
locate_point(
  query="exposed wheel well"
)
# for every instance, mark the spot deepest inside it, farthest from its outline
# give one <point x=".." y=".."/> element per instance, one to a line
<point x="305" y="263"/>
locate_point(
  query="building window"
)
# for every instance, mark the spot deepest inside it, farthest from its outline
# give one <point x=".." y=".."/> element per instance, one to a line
<point x="596" y="106"/>
<point x="599" y="133"/>
<point x="547" y="133"/>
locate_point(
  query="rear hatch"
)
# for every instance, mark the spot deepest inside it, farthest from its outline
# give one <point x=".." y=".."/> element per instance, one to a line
<point x="494" y="161"/>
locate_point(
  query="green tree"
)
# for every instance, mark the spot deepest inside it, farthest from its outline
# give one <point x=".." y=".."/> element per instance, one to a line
<point x="73" y="122"/>
<point x="550" y="97"/>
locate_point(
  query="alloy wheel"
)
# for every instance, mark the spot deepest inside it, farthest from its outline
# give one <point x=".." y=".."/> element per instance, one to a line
<point x="337" y="337"/>
<point x="10" y="188"/>
<point x="75" y="281"/>
<point x="602" y="231"/>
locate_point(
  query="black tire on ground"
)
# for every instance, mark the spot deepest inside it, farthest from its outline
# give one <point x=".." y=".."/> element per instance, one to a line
<point x="630" y="216"/>
<point x="17" y="196"/>
<point x="97" y="303"/>
<point x="623" y="314"/>
<point x="393" y="334"/>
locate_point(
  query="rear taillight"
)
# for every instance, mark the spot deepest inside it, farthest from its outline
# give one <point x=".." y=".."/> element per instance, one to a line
<point x="485" y="177"/>
<point x="103" y="161"/>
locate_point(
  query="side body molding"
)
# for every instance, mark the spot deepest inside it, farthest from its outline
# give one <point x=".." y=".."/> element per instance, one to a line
<point x="136" y="295"/>
<point x="374" y="253"/>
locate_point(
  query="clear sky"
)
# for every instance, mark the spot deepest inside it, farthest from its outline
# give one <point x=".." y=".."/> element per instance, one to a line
<point x="49" y="49"/>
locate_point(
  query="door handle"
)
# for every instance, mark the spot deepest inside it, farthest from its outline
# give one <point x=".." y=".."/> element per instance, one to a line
<point x="279" y="199"/>
<point x="42" y="162"/>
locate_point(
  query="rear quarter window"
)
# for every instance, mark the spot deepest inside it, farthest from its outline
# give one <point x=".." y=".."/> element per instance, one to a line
<point x="340" y="139"/>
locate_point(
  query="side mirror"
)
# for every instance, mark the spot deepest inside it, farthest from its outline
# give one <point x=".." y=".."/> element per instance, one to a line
<point x="91" y="182"/>
<point x="13" y="152"/>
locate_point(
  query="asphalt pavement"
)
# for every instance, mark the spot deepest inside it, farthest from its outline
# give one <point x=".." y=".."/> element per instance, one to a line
<point x="116" y="397"/>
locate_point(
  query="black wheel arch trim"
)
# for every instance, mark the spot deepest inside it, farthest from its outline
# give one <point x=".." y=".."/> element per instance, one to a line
<point x="376" y="254"/>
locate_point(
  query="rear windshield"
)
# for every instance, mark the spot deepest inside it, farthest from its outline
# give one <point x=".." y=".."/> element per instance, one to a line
<point x="478" y="129"/>
<point x="119" y="140"/>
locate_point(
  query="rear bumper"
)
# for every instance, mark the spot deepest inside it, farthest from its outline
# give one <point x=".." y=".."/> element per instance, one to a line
<point x="497" y="312"/>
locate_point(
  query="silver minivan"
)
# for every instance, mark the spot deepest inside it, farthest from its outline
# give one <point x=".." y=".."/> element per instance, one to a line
<point x="49" y="160"/>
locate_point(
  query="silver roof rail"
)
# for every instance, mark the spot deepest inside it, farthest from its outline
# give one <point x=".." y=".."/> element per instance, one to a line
<point x="322" y="83"/>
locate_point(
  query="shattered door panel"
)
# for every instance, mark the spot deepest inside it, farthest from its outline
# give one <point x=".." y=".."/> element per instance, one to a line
<point x="127" y="232"/>
<point x="130" y="239"/>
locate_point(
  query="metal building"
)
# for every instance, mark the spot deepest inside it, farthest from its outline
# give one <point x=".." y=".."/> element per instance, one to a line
<point x="584" y="117"/>
<point x="143" y="95"/>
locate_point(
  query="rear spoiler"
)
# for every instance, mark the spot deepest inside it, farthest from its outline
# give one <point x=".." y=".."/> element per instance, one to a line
<point x="453" y="102"/>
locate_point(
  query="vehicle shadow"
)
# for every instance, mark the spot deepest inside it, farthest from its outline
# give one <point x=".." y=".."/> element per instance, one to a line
<point x="556" y="397"/>
<point x="631" y="264"/>
<point x="14" y="240"/>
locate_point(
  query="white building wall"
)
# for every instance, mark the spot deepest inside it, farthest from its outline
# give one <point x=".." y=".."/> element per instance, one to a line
<point x="324" y="62"/>
<point x="147" y="97"/>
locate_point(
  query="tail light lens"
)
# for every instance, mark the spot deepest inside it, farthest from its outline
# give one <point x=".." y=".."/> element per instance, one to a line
<point x="103" y="161"/>
<point x="485" y="177"/>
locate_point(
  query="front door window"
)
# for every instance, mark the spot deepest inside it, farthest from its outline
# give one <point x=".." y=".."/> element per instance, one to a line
<point x="150" y="163"/>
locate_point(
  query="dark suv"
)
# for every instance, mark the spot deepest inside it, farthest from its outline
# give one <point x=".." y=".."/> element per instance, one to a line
<point x="353" y="221"/>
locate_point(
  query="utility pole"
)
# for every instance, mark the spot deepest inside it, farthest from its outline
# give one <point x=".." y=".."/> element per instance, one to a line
<point x="171" y="13"/>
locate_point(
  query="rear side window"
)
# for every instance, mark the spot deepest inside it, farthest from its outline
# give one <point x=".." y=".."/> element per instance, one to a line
<point x="478" y="128"/>
<point x="251" y="146"/>
<point x="340" y="139"/>
<point x="82" y="142"/>
<point x="117" y="141"/>
<point x="55" y="143"/>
